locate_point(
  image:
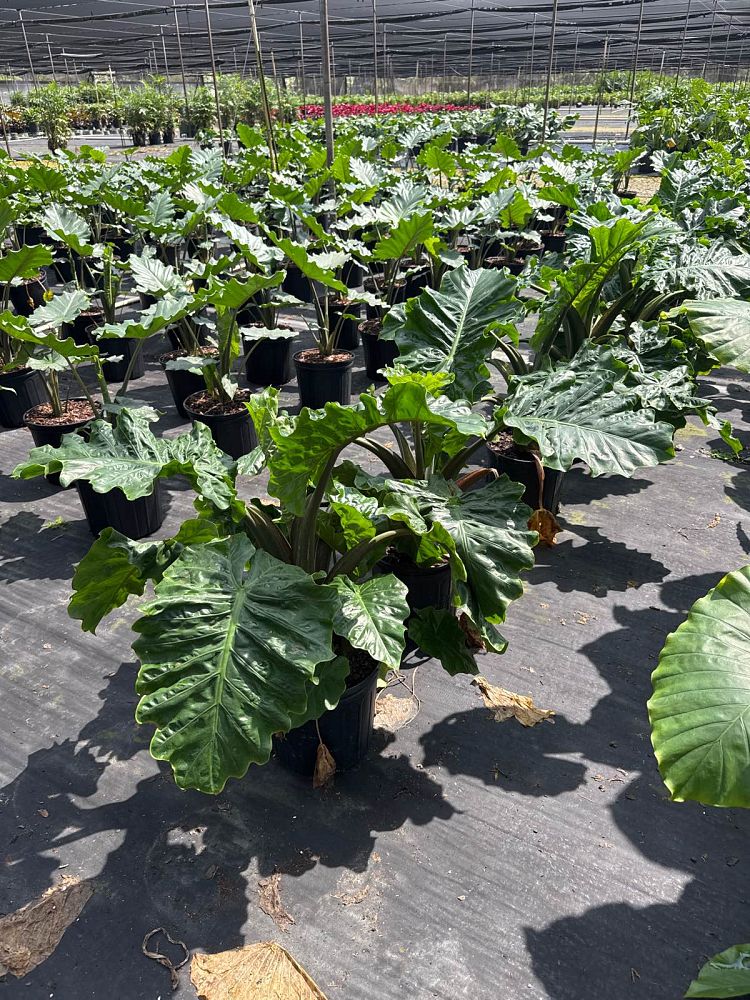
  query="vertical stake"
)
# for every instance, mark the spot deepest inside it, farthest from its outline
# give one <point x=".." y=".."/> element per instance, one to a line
<point x="471" y="54"/>
<point x="164" y="51"/>
<point x="550" y="64"/>
<point x="682" y="45"/>
<point x="375" y="52"/>
<point x="262" y="84"/>
<point x="634" y="71"/>
<point x="533" y="51"/>
<point x="216" y="82"/>
<point x="302" y="60"/>
<point x="51" y="63"/>
<point x="601" y="91"/>
<point x="325" y="56"/>
<point x="182" y="61"/>
<point x="28" y="50"/>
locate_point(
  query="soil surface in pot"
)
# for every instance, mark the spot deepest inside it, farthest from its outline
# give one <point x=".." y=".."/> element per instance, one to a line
<point x="202" y="352"/>
<point x="203" y="403"/>
<point x="74" y="410"/>
<point x="361" y="663"/>
<point x="312" y="356"/>
<point x="504" y="445"/>
<point x="371" y="327"/>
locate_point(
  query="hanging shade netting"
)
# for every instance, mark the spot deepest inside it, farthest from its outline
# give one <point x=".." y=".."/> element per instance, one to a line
<point x="131" y="37"/>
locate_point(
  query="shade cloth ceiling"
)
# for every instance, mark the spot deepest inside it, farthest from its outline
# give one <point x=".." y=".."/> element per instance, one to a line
<point x="133" y="37"/>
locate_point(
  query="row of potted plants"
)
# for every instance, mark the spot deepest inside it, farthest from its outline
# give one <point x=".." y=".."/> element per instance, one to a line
<point x="443" y="245"/>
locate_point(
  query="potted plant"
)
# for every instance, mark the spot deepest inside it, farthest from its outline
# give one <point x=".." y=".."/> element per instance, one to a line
<point x="21" y="387"/>
<point x="117" y="468"/>
<point x="47" y="351"/>
<point x="221" y="404"/>
<point x="303" y="560"/>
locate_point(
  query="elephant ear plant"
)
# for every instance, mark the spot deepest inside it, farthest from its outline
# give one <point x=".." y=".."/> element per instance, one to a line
<point x="699" y="729"/>
<point x="262" y="610"/>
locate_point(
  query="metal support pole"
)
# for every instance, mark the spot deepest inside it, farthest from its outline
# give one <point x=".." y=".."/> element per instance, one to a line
<point x="164" y="51"/>
<point x="28" y="50"/>
<point x="51" y="63"/>
<point x="302" y="61"/>
<point x="182" y="61"/>
<point x="634" y="71"/>
<point x="471" y="55"/>
<point x="262" y="84"/>
<point x="67" y="71"/>
<point x="5" y="130"/>
<point x="726" y="47"/>
<point x="575" y="68"/>
<point x="682" y="45"/>
<point x="550" y="64"/>
<point x="385" y="60"/>
<point x="213" y="74"/>
<point x="375" y="52"/>
<point x="711" y="35"/>
<point x="601" y="88"/>
<point x="445" y="60"/>
<point x="533" y="51"/>
<point x="325" y="56"/>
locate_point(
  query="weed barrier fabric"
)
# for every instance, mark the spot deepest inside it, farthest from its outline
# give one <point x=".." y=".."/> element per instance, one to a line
<point x="414" y="38"/>
<point x="465" y="858"/>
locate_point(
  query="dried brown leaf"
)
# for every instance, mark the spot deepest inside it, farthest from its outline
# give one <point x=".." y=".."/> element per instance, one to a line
<point x="353" y="898"/>
<point x="508" y="705"/>
<point x="269" y="899"/>
<point x="31" y="934"/>
<point x="263" y="971"/>
<point x="544" y="522"/>
<point x="325" y="767"/>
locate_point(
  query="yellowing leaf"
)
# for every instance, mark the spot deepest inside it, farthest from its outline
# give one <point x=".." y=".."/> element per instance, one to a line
<point x="508" y="705"/>
<point x="545" y="523"/>
<point x="263" y="971"/>
<point x="325" y="767"/>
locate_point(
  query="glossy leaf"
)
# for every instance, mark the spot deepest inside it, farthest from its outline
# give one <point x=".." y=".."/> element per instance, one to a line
<point x="229" y="648"/>
<point x="725" y="975"/>
<point x="700" y="708"/>
<point x="724" y="327"/>
<point x="371" y="616"/>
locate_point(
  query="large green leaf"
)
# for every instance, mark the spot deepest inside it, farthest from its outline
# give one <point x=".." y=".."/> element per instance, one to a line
<point x="447" y="330"/>
<point x="68" y="227"/>
<point x="308" y="264"/>
<point x="316" y="437"/>
<point x="151" y="321"/>
<point x="130" y="458"/>
<point x="489" y="531"/>
<point x="24" y="263"/>
<point x="438" y="634"/>
<point x="372" y="615"/>
<point x="405" y="237"/>
<point x="63" y="308"/>
<point x="724" y="327"/>
<point x="234" y="294"/>
<point x="229" y="648"/>
<point x="116" y="567"/>
<point x="700" y="708"/>
<point x="703" y="271"/>
<point x="725" y="975"/>
<point x="588" y="416"/>
<point x="152" y="276"/>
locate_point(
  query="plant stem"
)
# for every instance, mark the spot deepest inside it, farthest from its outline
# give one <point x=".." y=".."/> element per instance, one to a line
<point x="349" y="561"/>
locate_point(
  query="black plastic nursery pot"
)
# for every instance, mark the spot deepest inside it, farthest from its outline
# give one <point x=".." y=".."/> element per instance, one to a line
<point x="524" y="470"/>
<point x="123" y="348"/>
<point x="352" y="274"/>
<point x="427" y="586"/>
<point x="348" y="339"/>
<point x="182" y="382"/>
<point x="296" y="283"/>
<point x="79" y="330"/>
<point x="28" y="295"/>
<point x="374" y="286"/>
<point x="416" y="283"/>
<point x="231" y="425"/>
<point x="270" y="362"/>
<point x="554" y="242"/>
<point x="378" y="353"/>
<point x="76" y="413"/>
<point x="324" y="380"/>
<point x="133" y="518"/>
<point x="346" y="731"/>
<point x="27" y="391"/>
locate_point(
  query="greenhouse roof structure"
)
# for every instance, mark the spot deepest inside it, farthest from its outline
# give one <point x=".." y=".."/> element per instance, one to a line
<point x="134" y="37"/>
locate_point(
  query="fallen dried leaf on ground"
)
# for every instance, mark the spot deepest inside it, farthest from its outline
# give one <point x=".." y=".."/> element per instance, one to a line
<point x="508" y="705"/>
<point x="394" y="713"/>
<point x="353" y="898"/>
<point x="165" y="960"/>
<point x="545" y="522"/>
<point x="269" y="896"/>
<point x="31" y="934"/>
<point x="325" y="767"/>
<point x="263" y="971"/>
